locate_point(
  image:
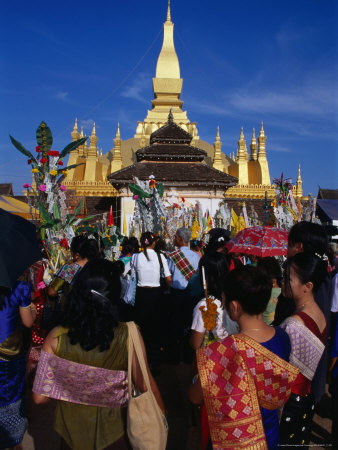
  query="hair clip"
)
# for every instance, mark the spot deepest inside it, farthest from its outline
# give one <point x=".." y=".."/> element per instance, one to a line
<point x="146" y="242"/>
<point x="99" y="296"/>
<point x="221" y="238"/>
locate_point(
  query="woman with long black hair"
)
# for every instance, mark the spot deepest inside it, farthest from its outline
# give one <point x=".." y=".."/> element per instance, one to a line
<point x="90" y="343"/>
<point x="148" y="294"/>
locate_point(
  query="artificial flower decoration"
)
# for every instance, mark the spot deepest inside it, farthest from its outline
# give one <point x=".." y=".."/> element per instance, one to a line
<point x="43" y="160"/>
<point x="64" y="243"/>
<point x="53" y="172"/>
<point x="60" y="163"/>
<point x="29" y="161"/>
<point x="53" y="153"/>
<point x="42" y="188"/>
<point x="40" y="285"/>
<point x="35" y="170"/>
<point x="63" y="188"/>
<point x="152" y="183"/>
<point x="37" y="148"/>
<point x="27" y="186"/>
<point x="151" y="177"/>
<point x="135" y="197"/>
<point x="64" y="172"/>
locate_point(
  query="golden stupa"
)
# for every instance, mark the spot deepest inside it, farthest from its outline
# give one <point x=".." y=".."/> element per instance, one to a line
<point x="252" y="171"/>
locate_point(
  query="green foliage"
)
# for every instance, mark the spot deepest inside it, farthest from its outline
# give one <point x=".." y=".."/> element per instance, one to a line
<point x="22" y="149"/>
<point x="137" y="190"/>
<point x="78" y="208"/>
<point x="160" y="189"/>
<point x="44" y="137"/>
<point x="72" y="166"/>
<point x="72" y="146"/>
<point x="56" y="211"/>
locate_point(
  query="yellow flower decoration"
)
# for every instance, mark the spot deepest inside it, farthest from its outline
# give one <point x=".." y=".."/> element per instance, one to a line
<point x="35" y="170"/>
<point x="64" y="172"/>
<point x="53" y="172"/>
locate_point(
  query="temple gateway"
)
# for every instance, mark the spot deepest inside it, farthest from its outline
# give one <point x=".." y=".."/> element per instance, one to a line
<point x="166" y="145"/>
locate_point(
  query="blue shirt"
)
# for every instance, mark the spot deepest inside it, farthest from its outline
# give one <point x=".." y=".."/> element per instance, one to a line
<point x="178" y="280"/>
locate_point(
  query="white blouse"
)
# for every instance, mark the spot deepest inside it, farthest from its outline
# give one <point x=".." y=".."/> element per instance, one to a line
<point x="148" y="272"/>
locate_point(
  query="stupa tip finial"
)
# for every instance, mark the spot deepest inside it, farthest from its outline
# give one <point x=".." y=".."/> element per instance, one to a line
<point x="118" y="130"/>
<point x="94" y="130"/>
<point x="168" y="12"/>
<point x="253" y="134"/>
<point x="170" y="116"/>
<point x="241" y="136"/>
<point x="75" y="125"/>
<point x="81" y="134"/>
<point x="262" y="129"/>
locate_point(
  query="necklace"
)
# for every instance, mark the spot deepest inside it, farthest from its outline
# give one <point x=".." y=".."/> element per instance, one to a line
<point x="300" y="307"/>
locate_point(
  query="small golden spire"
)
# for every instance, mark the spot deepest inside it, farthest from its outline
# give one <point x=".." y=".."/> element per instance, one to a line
<point x="118" y="130"/>
<point x="81" y="134"/>
<point x="241" y="136"/>
<point x="253" y="147"/>
<point x="75" y="126"/>
<point x="299" y="189"/>
<point x="94" y="131"/>
<point x="217" y="135"/>
<point x="261" y="133"/>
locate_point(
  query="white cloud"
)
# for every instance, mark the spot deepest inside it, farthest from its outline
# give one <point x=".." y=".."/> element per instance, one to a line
<point x="138" y="88"/>
<point x="62" y="95"/>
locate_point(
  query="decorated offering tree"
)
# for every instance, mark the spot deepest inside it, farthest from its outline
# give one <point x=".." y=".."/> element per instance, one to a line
<point x="47" y="193"/>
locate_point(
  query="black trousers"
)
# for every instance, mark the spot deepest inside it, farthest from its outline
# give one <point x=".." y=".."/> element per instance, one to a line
<point x="147" y="314"/>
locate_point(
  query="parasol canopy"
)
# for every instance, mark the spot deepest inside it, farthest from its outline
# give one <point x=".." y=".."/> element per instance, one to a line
<point x="17" y="207"/>
<point x="19" y="247"/>
<point x="260" y="241"/>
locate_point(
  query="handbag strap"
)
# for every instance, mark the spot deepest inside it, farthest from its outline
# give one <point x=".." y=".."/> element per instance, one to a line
<point x="134" y="343"/>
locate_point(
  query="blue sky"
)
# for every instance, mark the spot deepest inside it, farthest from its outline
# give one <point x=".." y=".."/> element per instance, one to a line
<point x="242" y="63"/>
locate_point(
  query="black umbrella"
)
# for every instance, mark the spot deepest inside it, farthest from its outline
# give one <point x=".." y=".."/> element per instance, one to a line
<point x="19" y="247"/>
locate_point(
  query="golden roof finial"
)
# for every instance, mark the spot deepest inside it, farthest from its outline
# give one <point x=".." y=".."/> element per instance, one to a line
<point x="299" y="178"/>
<point x="94" y="131"/>
<point x="253" y="140"/>
<point x="75" y="126"/>
<point x="241" y="136"/>
<point x="168" y="13"/>
<point x="261" y="133"/>
<point x="81" y="134"/>
<point x="217" y="135"/>
<point x="118" y="130"/>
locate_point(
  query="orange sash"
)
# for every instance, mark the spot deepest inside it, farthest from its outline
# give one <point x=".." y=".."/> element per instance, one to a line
<point x="238" y="376"/>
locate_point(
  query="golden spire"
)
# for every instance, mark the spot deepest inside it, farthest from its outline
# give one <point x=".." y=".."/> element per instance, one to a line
<point x="261" y="143"/>
<point x="217" y="161"/>
<point x="168" y="13"/>
<point x="299" y="189"/>
<point x="81" y="134"/>
<point x="253" y="147"/>
<point x="92" y="142"/>
<point x="118" y="131"/>
<point x="241" y="146"/>
<point x="94" y="131"/>
<point x="75" y="132"/>
<point x="167" y="63"/>
<point x="116" y="163"/>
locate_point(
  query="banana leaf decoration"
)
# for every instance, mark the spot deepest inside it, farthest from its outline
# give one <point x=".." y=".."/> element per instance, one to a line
<point x="22" y="149"/>
<point x="44" y="137"/>
<point x="137" y="190"/>
<point x="72" y="146"/>
<point x="72" y="166"/>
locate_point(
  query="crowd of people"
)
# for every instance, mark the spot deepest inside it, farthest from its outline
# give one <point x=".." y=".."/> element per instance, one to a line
<point x="260" y="336"/>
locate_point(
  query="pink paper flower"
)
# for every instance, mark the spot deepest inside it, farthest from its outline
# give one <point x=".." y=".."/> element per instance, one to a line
<point x="63" y="188"/>
<point x="135" y="197"/>
<point x="42" y="188"/>
<point x="27" y="186"/>
<point x="40" y="285"/>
